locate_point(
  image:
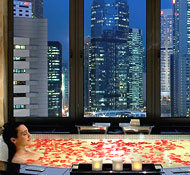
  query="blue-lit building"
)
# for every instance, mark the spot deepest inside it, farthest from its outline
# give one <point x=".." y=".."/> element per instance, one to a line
<point x="135" y="78"/>
<point x="54" y="79"/>
<point x="111" y="58"/>
<point x="180" y="79"/>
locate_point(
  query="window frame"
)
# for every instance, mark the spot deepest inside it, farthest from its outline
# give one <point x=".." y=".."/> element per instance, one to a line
<point x="76" y="69"/>
<point x="153" y="102"/>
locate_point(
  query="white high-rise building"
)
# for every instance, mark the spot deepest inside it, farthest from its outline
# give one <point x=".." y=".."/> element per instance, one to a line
<point x="166" y="52"/>
<point x="30" y="67"/>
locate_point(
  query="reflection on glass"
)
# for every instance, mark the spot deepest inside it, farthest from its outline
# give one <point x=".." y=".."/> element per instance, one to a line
<point x="114" y="60"/>
<point x="41" y="80"/>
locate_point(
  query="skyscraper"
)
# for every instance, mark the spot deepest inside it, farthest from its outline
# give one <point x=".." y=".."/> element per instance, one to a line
<point x="166" y="53"/>
<point x="54" y="79"/>
<point x="30" y="62"/>
<point x="110" y="76"/>
<point x="180" y="79"/>
<point x="65" y="89"/>
<point x="135" y="78"/>
<point x="87" y="55"/>
<point x="108" y="62"/>
<point x="30" y="67"/>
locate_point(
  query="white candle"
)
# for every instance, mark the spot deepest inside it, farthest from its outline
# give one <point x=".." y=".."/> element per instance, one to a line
<point x="117" y="164"/>
<point x="97" y="164"/>
<point x="136" y="165"/>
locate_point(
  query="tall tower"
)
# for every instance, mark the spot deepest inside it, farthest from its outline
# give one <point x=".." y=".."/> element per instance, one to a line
<point x="135" y="75"/>
<point x="180" y="79"/>
<point x="54" y="78"/>
<point x="108" y="62"/>
<point x="87" y="55"/>
<point x="166" y="54"/>
<point x="65" y="89"/>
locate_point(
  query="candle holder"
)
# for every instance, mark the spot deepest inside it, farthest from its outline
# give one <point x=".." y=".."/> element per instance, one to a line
<point x="97" y="164"/>
<point x="136" y="165"/>
<point x="107" y="168"/>
<point x="117" y="164"/>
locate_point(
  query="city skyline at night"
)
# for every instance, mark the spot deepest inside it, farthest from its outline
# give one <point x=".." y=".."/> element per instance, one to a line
<point x="114" y="52"/>
<point x="57" y="13"/>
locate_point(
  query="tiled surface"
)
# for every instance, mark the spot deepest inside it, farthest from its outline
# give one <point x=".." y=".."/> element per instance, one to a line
<point x="65" y="150"/>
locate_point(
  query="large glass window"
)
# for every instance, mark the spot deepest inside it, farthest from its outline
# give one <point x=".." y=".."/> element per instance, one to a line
<point x="41" y="58"/>
<point x="49" y="62"/>
<point x="115" y="58"/>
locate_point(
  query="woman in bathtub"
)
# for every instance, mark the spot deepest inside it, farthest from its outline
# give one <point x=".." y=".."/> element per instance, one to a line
<point x="17" y="138"/>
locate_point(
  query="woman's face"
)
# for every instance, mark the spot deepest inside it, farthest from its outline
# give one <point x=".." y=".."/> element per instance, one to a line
<point x="23" y="136"/>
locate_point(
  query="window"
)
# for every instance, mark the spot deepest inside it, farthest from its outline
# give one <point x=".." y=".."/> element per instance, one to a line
<point x="41" y="58"/>
<point x="19" y="82"/>
<point x="19" y="106"/>
<point x="19" y="95"/>
<point x="114" y="58"/>
<point x="20" y="47"/>
<point x="19" y="70"/>
<point x="175" y="49"/>
<point x="65" y="77"/>
<point x="19" y="59"/>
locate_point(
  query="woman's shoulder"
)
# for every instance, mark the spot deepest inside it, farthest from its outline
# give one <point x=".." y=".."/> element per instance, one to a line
<point x="23" y="159"/>
<point x="18" y="159"/>
<point x="37" y="154"/>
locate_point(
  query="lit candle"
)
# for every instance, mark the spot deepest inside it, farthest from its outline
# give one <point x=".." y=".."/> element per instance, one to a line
<point x="136" y="165"/>
<point x="97" y="164"/>
<point x="117" y="164"/>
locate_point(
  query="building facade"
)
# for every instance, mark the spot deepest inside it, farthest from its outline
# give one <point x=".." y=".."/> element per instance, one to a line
<point x="54" y="79"/>
<point x="30" y="67"/>
<point x="22" y="9"/>
<point x="33" y="8"/>
<point x="135" y="75"/>
<point x="166" y="54"/>
<point x="65" y="89"/>
<point x="180" y="79"/>
<point x="111" y="85"/>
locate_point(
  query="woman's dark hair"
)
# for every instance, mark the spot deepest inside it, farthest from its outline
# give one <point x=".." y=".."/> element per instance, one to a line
<point x="9" y="131"/>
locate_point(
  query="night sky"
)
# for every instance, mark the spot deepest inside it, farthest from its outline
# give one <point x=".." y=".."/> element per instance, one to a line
<point x="57" y="13"/>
